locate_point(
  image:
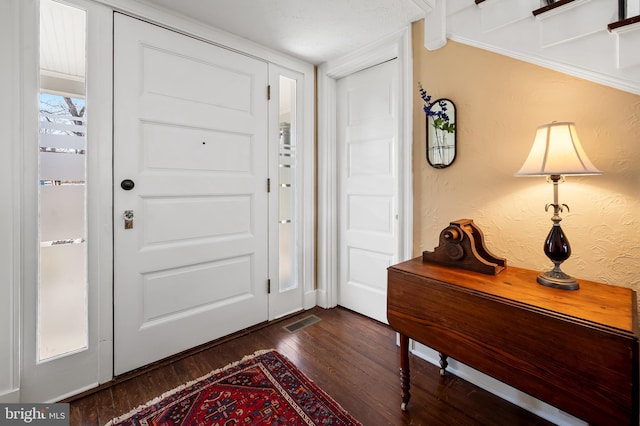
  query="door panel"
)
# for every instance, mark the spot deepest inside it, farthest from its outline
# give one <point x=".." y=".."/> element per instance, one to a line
<point x="223" y="152"/>
<point x="190" y="129"/>
<point x="367" y="126"/>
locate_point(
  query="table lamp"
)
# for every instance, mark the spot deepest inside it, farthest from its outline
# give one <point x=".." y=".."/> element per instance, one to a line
<point x="557" y="152"/>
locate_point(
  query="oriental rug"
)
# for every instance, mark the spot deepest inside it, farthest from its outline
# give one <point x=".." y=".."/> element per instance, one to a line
<point x="262" y="389"/>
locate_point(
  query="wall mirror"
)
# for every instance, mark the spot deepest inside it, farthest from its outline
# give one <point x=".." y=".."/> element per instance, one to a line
<point x="441" y="134"/>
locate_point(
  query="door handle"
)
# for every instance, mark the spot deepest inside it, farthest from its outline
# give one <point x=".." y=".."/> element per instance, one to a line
<point x="127" y="184"/>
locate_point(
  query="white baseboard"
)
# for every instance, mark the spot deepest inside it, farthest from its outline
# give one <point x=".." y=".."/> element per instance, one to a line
<point x="310" y="299"/>
<point x="11" y="397"/>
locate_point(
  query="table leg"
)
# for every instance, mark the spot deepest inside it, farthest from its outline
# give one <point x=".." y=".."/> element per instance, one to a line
<point x="443" y="363"/>
<point x="405" y="383"/>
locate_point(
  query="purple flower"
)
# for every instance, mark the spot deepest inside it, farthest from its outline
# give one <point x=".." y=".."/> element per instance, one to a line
<point x="439" y="117"/>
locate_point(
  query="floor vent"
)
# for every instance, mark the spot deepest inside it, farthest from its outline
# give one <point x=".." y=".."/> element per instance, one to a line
<point x="301" y="323"/>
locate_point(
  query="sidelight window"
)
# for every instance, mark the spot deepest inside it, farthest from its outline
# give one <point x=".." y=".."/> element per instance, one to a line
<point x="287" y="181"/>
<point x="62" y="315"/>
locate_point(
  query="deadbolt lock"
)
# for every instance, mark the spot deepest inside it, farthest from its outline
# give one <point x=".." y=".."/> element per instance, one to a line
<point x="128" y="219"/>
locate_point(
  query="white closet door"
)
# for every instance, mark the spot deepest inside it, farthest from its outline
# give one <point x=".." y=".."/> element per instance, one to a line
<point x="368" y="128"/>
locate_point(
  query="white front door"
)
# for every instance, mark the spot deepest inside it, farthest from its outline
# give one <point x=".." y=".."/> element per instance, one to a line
<point x="367" y="137"/>
<point x="190" y="133"/>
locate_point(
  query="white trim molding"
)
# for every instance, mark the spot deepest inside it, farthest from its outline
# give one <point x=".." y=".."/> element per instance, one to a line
<point x="426" y="5"/>
<point x="435" y="26"/>
<point x="574" y="20"/>
<point x="627" y="42"/>
<point x="10" y="117"/>
<point x="397" y="45"/>
<point x="495" y="14"/>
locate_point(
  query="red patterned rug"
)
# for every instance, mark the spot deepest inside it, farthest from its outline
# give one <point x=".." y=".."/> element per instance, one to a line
<point x="263" y="389"/>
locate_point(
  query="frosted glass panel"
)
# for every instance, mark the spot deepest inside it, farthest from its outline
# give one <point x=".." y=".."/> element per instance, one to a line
<point x="61" y="166"/>
<point x="62" y="288"/>
<point x="61" y="212"/>
<point x="287" y="186"/>
<point x="62" y="317"/>
<point x="62" y="323"/>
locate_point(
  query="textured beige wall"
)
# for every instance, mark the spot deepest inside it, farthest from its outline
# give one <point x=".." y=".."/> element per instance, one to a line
<point x="500" y="101"/>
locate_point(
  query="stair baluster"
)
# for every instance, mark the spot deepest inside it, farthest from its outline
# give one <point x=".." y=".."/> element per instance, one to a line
<point x="622" y="9"/>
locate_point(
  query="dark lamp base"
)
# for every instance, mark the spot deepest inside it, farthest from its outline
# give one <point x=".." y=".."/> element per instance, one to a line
<point x="558" y="279"/>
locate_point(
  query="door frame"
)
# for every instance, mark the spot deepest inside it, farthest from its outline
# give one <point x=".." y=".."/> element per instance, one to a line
<point x="304" y="249"/>
<point x="397" y="45"/>
<point x="20" y="256"/>
<point x="95" y="361"/>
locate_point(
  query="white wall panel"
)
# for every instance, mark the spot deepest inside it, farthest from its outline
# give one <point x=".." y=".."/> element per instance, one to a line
<point x="9" y="215"/>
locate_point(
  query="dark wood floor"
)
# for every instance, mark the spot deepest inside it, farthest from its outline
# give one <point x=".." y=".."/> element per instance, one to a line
<point x="353" y="358"/>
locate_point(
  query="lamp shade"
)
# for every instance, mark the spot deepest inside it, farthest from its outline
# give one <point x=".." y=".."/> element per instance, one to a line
<point x="557" y="150"/>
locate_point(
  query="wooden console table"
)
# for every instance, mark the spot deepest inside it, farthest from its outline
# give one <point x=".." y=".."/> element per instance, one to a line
<point x="576" y="350"/>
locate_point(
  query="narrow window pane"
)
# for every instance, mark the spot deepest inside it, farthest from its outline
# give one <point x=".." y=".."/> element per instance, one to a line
<point x="287" y="190"/>
<point x="62" y="286"/>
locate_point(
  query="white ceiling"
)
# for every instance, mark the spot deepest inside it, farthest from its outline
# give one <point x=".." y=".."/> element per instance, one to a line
<point x="312" y="30"/>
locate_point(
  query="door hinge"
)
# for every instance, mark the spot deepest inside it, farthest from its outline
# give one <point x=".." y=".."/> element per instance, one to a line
<point x="268" y="92"/>
<point x="269" y="286"/>
<point x="268" y="184"/>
